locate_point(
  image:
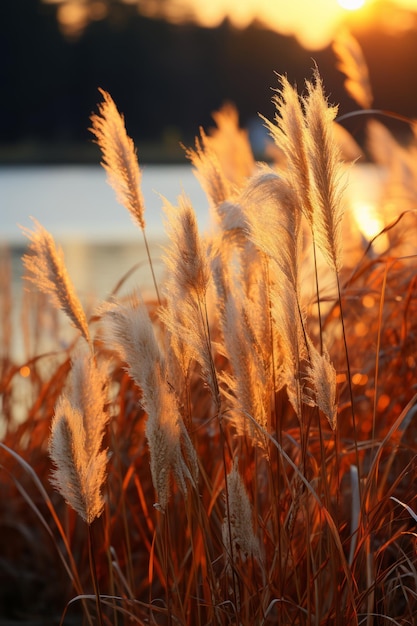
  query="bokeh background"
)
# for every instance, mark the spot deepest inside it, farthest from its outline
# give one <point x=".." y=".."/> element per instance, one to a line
<point x="170" y="63"/>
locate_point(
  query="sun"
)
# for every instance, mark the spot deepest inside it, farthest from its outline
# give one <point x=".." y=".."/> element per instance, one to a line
<point x="351" y="5"/>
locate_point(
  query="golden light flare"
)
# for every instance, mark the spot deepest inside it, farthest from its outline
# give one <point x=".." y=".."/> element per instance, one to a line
<point x="370" y="224"/>
<point x="368" y="301"/>
<point x="359" y="379"/>
<point x="73" y="16"/>
<point x="351" y="5"/>
<point x="24" y="371"/>
<point x="314" y="24"/>
<point x="361" y="329"/>
<point x="383" y="402"/>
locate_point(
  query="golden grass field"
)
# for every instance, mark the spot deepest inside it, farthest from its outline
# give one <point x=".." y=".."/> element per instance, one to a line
<point x="239" y="448"/>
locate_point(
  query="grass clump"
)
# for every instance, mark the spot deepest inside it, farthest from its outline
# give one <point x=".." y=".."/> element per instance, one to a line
<point x="242" y="449"/>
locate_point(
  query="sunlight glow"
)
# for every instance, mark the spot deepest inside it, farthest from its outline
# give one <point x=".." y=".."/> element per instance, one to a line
<point x="314" y="24"/>
<point x="351" y="5"/>
<point x="359" y="379"/>
<point x="24" y="371"/>
<point x="368" y="301"/>
<point x="368" y="220"/>
<point x="383" y="402"/>
<point x="370" y="224"/>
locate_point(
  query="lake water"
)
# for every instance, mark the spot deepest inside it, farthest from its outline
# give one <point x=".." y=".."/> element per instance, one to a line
<point x="100" y="241"/>
<point x="75" y="202"/>
<point x="98" y="237"/>
<point x="77" y="206"/>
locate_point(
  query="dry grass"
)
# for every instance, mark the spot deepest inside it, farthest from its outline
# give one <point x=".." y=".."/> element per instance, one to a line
<point x="259" y="417"/>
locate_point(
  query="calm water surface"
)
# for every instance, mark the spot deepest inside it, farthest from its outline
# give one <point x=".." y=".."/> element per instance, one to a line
<point x="99" y="240"/>
<point x="75" y="202"/>
<point x="77" y="206"/>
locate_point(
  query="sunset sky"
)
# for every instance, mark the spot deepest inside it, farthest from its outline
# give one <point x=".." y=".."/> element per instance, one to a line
<point x="168" y="78"/>
<point x="313" y="22"/>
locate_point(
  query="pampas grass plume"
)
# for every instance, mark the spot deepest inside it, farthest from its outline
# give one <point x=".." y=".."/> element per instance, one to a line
<point x="186" y="258"/>
<point x="231" y="146"/>
<point x="185" y="313"/>
<point x="119" y="157"/>
<point x="288" y="132"/>
<point x="351" y="62"/>
<point x="76" y="437"/>
<point x="325" y="173"/>
<point x="170" y="448"/>
<point x="129" y="330"/>
<point x="250" y="384"/>
<point x="46" y="269"/>
<point x="209" y="171"/>
<point x="276" y="229"/>
<point x="238" y="519"/>
<point x="322" y="376"/>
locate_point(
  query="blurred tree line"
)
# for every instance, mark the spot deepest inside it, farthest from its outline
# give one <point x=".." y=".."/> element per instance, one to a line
<point x="167" y="79"/>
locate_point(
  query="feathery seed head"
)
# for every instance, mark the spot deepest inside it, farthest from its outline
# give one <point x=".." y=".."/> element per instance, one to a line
<point x="171" y="450"/>
<point x="288" y="132"/>
<point x="290" y="327"/>
<point x="46" y="269"/>
<point x="130" y="332"/>
<point x="209" y="171"/>
<point x="250" y="381"/>
<point x="89" y="383"/>
<point x="186" y="258"/>
<point x="325" y="168"/>
<point x="76" y="436"/>
<point x="273" y="216"/>
<point x="185" y="313"/>
<point x="351" y="62"/>
<point x="231" y="146"/>
<point x="322" y="376"/>
<point x="119" y="157"/>
<point x="239" y="520"/>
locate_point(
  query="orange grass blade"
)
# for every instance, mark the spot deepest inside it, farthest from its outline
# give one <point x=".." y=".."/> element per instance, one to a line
<point x="72" y="568"/>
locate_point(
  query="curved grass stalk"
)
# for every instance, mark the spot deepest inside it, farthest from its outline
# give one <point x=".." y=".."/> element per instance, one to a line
<point x="93" y="568"/>
<point x="109" y="601"/>
<point x="121" y="164"/>
<point x="71" y="569"/>
<point x="378" y="344"/>
<point x="349" y="377"/>
<point x="329" y="519"/>
<point x="382" y="112"/>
